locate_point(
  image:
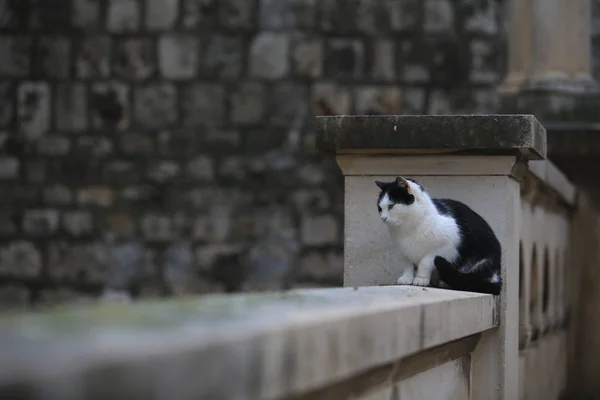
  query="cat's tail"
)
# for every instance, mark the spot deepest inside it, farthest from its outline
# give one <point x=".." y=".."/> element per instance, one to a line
<point x="473" y="281"/>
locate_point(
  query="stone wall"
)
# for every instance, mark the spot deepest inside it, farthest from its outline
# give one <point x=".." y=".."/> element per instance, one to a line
<point x="166" y="146"/>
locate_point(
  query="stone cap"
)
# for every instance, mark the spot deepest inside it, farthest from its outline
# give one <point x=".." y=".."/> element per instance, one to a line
<point x="500" y="134"/>
<point x="248" y="346"/>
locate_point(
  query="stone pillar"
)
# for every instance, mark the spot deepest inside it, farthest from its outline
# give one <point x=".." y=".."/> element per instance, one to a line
<point x="475" y="159"/>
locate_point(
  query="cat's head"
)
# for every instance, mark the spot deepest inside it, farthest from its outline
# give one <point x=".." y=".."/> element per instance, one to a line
<point x="398" y="199"/>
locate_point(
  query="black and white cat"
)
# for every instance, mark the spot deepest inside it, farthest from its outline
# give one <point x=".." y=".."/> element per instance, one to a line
<point x="441" y="233"/>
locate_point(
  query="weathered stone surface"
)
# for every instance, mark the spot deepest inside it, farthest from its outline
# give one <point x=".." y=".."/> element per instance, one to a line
<point x="383" y="67"/>
<point x="96" y="196"/>
<point x="110" y="105"/>
<point x="248" y="103"/>
<point x="16" y="57"/>
<point x="345" y="58"/>
<point x="77" y="223"/>
<point x="378" y="101"/>
<point x="163" y="171"/>
<point x="495" y="134"/>
<point x="40" y="222"/>
<point x="240" y="14"/>
<point x="330" y="99"/>
<point x="53" y="145"/>
<point x="136" y="144"/>
<point x="160" y="14"/>
<point x="155" y="105"/>
<point x="439" y="16"/>
<point x="7" y="104"/>
<point x="49" y="15"/>
<point x="197" y="13"/>
<point x="269" y="56"/>
<point x="287" y="14"/>
<point x="85" y="263"/>
<point x="201" y="168"/>
<point x="53" y="57"/>
<point x="203" y="105"/>
<point x="20" y="259"/>
<point x="316" y="266"/>
<point x="178" y="56"/>
<point x="86" y="14"/>
<point x="484" y="67"/>
<point x="289" y="105"/>
<point x="34" y="110"/>
<point x="93" y="57"/>
<point x="181" y="143"/>
<point x="307" y="57"/>
<point x="71" y="107"/>
<point x="134" y="59"/>
<point x="320" y="230"/>
<point x="57" y="195"/>
<point x="123" y="15"/>
<point x="14" y="14"/>
<point x="9" y="168"/>
<point x="223" y="56"/>
<point x="156" y="227"/>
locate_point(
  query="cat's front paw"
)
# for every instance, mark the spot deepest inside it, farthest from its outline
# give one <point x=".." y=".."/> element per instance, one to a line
<point x="405" y="280"/>
<point x="419" y="281"/>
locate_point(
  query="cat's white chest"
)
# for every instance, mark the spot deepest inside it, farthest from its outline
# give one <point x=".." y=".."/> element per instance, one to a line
<point x="439" y="236"/>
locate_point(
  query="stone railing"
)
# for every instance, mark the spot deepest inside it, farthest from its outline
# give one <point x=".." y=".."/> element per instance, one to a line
<point x="368" y="340"/>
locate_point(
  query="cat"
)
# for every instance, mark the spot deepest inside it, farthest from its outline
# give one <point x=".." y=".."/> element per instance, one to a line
<point x="441" y="233"/>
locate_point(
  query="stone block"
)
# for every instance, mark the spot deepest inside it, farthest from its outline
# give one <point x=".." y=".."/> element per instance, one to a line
<point x="53" y="57"/>
<point x="110" y="105"/>
<point x="413" y="101"/>
<point x="134" y="59"/>
<point x="77" y="223"/>
<point x="7" y="104"/>
<point x="237" y="14"/>
<point x="289" y="105"/>
<point x="71" y="107"/>
<point x="307" y="57"/>
<point x="269" y="56"/>
<point x="8" y="225"/>
<point x="121" y="224"/>
<point x="57" y="195"/>
<point x="203" y="105"/>
<point x="377" y="100"/>
<point x="123" y="15"/>
<point x="120" y="172"/>
<point x="345" y="58"/>
<point x="161" y="14"/>
<point x="222" y="56"/>
<point x="92" y="57"/>
<point x="53" y="145"/>
<point x="439" y="16"/>
<point x="33" y="108"/>
<point x="14" y="298"/>
<point x="287" y="14"/>
<point x="329" y="98"/>
<point x="320" y="230"/>
<point x="49" y="15"/>
<point x="248" y="103"/>
<point x="41" y="222"/>
<point x="157" y="228"/>
<point x="382" y="66"/>
<point x="199" y="13"/>
<point x="96" y="196"/>
<point x="322" y="267"/>
<point x="16" y="61"/>
<point x="178" y="56"/>
<point x="86" y="14"/>
<point x="485" y="62"/>
<point x="94" y="145"/>
<point x="163" y="171"/>
<point x="20" y="259"/>
<point x="403" y="15"/>
<point x="9" y="168"/>
<point x="84" y="262"/>
<point x="177" y="143"/>
<point x="14" y="14"/>
<point x="501" y="134"/>
<point x="201" y="168"/>
<point x="155" y="105"/>
<point x="134" y="143"/>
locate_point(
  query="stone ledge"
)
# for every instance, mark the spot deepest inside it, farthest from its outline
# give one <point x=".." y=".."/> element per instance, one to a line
<point x="247" y="346"/>
<point x="437" y="134"/>
<point x="548" y="173"/>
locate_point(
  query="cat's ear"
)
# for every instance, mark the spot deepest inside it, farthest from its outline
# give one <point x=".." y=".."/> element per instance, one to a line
<point x="403" y="183"/>
<point x="381" y="185"/>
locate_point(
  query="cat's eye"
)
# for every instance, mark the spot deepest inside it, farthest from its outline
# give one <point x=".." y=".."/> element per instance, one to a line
<point x="390" y="206"/>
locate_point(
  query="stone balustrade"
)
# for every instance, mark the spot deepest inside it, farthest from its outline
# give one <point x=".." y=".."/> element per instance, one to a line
<point x="371" y="339"/>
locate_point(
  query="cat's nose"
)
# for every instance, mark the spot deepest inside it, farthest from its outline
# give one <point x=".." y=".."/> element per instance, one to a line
<point x="383" y="217"/>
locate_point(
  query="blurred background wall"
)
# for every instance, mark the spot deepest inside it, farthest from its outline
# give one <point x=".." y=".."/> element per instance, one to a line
<point x="158" y="147"/>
